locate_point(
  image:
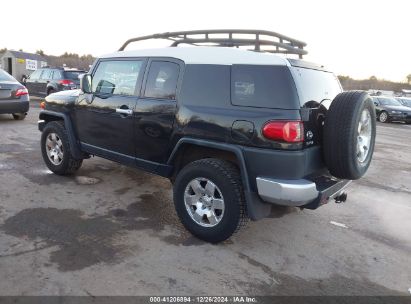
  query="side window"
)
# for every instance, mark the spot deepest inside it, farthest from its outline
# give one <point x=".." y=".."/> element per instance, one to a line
<point x="35" y="75"/>
<point x="117" y="77"/>
<point x="263" y="86"/>
<point x="206" y="84"/>
<point x="162" y="80"/>
<point x="46" y="74"/>
<point x="57" y="75"/>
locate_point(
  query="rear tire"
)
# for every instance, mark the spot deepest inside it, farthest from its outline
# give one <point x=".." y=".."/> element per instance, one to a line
<point x="19" y="116"/>
<point x="56" y="150"/>
<point x="209" y="199"/>
<point x="349" y="134"/>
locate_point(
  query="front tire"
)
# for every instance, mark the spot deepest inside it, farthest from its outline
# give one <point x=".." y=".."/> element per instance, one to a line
<point x="383" y="117"/>
<point x="56" y="150"/>
<point x="19" y="116"/>
<point x="209" y="199"/>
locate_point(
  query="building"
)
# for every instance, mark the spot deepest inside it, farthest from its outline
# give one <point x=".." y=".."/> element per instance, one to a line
<point x="21" y="64"/>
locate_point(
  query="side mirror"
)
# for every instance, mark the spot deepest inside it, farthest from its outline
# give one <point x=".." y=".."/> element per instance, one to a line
<point x="85" y="83"/>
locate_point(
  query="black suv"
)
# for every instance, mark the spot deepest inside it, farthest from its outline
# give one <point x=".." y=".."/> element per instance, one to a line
<point x="46" y="81"/>
<point x="235" y="131"/>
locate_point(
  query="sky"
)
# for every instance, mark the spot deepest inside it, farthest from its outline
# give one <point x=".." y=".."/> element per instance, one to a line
<point x="351" y="37"/>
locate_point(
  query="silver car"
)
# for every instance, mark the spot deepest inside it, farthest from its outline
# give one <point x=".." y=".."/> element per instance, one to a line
<point x="14" y="97"/>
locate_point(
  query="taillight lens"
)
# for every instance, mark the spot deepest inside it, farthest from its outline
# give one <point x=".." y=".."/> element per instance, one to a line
<point x="66" y="82"/>
<point x="21" y="92"/>
<point x="288" y="131"/>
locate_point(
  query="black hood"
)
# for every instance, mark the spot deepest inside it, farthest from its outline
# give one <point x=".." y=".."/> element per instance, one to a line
<point x="63" y="97"/>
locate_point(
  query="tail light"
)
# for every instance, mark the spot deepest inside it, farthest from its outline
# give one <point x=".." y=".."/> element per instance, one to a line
<point x="66" y="82"/>
<point x="21" y="92"/>
<point x="288" y="131"/>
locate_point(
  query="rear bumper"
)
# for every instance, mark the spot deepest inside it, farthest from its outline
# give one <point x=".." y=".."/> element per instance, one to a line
<point x="14" y="106"/>
<point x="301" y="192"/>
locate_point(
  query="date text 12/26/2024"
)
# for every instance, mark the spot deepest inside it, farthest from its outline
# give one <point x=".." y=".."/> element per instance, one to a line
<point x="203" y="299"/>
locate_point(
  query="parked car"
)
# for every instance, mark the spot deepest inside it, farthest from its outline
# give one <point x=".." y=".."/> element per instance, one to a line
<point x="390" y="109"/>
<point x="14" y="97"/>
<point x="235" y="131"/>
<point x="406" y="102"/>
<point x="46" y="81"/>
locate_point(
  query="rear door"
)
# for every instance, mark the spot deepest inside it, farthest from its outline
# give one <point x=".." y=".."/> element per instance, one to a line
<point x="56" y="78"/>
<point x="155" y="110"/>
<point x="32" y="82"/>
<point x="44" y="80"/>
<point x="104" y="119"/>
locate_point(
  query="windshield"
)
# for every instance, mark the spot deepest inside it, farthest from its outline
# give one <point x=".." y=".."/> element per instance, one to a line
<point x="389" y="102"/>
<point x="73" y="75"/>
<point x="4" y="76"/>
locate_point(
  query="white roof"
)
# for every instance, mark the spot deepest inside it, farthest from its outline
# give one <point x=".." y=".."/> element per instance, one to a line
<point x="206" y="55"/>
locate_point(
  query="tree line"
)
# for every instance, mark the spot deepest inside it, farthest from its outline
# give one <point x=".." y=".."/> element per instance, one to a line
<point x="373" y="83"/>
<point x="70" y="60"/>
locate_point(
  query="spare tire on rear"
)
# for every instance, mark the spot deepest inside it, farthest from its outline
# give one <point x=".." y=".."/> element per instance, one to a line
<point x="349" y="134"/>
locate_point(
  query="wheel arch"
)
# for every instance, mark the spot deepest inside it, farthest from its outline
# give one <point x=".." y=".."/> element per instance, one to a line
<point x="51" y="87"/>
<point x="190" y="149"/>
<point x="49" y="116"/>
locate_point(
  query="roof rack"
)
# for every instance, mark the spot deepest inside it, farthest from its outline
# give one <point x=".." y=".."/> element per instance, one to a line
<point x="259" y="40"/>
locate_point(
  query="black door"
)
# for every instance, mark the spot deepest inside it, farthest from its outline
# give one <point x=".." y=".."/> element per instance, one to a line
<point x="104" y="119"/>
<point x="155" y="110"/>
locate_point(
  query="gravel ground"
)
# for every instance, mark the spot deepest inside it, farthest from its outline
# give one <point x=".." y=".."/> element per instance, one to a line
<point x="111" y="230"/>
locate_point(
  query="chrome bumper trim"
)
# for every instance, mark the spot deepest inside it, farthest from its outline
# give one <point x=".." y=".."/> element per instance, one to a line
<point x="287" y="192"/>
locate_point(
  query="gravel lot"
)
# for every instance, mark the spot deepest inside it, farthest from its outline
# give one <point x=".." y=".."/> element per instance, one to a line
<point x="111" y="230"/>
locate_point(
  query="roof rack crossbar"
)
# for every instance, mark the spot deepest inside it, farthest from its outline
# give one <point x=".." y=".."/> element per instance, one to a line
<point x="282" y="44"/>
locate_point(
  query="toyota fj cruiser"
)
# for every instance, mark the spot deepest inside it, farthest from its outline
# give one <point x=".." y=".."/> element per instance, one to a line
<point x="234" y="130"/>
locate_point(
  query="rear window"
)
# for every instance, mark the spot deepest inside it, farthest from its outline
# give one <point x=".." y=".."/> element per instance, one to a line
<point x="315" y="85"/>
<point x="263" y="86"/>
<point x="162" y="80"/>
<point x="5" y="76"/>
<point x="73" y="75"/>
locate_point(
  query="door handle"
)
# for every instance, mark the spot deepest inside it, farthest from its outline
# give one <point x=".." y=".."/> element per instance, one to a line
<point x="124" y="111"/>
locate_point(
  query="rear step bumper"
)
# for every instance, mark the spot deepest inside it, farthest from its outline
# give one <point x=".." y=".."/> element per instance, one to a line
<point x="304" y="193"/>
